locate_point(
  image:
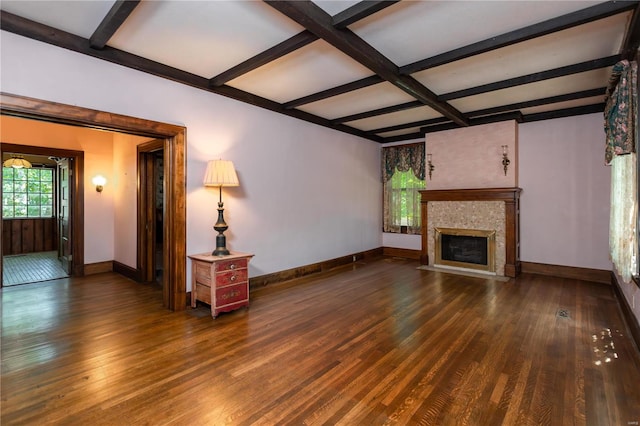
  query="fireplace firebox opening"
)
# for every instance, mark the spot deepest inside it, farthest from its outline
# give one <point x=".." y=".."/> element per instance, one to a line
<point x="465" y="248"/>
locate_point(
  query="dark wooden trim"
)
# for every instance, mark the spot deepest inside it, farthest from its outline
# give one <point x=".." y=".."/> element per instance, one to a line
<point x="379" y="111"/>
<point x="77" y="181"/>
<point x="401" y="252"/>
<point x="405" y="137"/>
<point x="334" y="91"/>
<point x="631" y="42"/>
<point x="313" y="268"/>
<point x="633" y="323"/>
<point x="360" y="11"/>
<point x="593" y="64"/>
<point x="513" y="115"/>
<point x="560" y="23"/>
<point x="316" y="20"/>
<point x="296" y="42"/>
<point x="571" y="272"/>
<point x="98" y="267"/>
<point x="511" y="197"/>
<point x="174" y="269"/>
<point x="129" y="272"/>
<point x="411" y="125"/>
<point x="118" y="13"/>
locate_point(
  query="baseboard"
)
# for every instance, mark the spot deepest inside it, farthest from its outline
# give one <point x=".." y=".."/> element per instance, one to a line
<point x="401" y="252"/>
<point x="98" y="267"/>
<point x="127" y="271"/>
<point x="585" y="274"/>
<point x="313" y="268"/>
<point x="627" y="313"/>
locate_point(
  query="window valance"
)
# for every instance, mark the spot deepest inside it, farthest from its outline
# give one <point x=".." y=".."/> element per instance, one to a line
<point x="620" y="110"/>
<point x="403" y="157"/>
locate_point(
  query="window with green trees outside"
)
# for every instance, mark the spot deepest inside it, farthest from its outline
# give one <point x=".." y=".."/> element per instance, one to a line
<point x="27" y="193"/>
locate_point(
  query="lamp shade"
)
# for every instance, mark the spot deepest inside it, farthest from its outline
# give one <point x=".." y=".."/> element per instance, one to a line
<point x="17" y="162"/>
<point x="220" y="173"/>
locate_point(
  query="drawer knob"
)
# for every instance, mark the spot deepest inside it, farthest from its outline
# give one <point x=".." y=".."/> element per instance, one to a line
<point x="233" y="277"/>
<point x="233" y="266"/>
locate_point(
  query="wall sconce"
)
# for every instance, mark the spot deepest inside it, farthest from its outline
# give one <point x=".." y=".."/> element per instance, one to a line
<point x="505" y="158"/>
<point x="430" y="165"/>
<point x="99" y="181"/>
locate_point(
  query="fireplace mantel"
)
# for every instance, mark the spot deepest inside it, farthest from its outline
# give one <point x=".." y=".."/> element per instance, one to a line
<point x="510" y="196"/>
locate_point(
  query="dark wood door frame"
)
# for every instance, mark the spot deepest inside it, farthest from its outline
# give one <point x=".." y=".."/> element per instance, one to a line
<point x="77" y="197"/>
<point x="146" y="208"/>
<point x="174" y="274"/>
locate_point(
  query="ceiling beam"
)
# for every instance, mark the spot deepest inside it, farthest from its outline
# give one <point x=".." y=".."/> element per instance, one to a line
<point x="379" y="111"/>
<point x="632" y="37"/>
<point x="335" y="91"/>
<point x="532" y="78"/>
<point x="360" y="11"/>
<point x="296" y="42"/>
<point x="316" y="20"/>
<point x="46" y="34"/>
<point x="560" y="23"/>
<point x="567" y="112"/>
<point x="118" y="13"/>
<point x="514" y="115"/>
<point x="411" y="125"/>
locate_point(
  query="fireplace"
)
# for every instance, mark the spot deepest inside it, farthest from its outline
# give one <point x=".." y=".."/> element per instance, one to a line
<point x="495" y="209"/>
<point x="465" y="248"/>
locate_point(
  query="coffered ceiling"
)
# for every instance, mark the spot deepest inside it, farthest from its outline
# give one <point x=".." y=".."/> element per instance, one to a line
<point x="384" y="70"/>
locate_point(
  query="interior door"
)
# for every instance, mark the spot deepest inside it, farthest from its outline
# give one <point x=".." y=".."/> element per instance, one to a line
<point x="64" y="214"/>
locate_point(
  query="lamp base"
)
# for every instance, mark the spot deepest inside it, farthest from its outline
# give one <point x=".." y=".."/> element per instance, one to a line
<point x="221" y="245"/>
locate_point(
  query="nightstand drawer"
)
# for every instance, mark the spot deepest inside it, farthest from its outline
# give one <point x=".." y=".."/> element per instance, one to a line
<point x="231" y="277"/>
<point x="231" y="294"/>
<point x="231" y="265"/>
<point x="202" y="271"/>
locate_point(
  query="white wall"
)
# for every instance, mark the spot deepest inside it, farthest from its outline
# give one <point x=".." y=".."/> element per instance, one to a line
<point x="564" y="210"/>
<point x="307" y="193"/>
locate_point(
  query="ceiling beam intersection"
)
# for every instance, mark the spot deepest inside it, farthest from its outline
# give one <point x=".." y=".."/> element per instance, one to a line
<point x="316" y="20"/>
<point x="114" y="19"/>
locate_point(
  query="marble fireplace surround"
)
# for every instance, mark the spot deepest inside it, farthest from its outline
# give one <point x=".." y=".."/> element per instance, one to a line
<point x="489" y="209"/>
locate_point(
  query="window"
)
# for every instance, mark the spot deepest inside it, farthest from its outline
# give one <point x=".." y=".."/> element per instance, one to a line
<point x="405" y="198"/>
<point x="27" y="193"/>
<point x="403" y="170"/>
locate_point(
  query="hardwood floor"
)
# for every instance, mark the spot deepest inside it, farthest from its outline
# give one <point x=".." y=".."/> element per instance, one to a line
<point x="375" y="343"/>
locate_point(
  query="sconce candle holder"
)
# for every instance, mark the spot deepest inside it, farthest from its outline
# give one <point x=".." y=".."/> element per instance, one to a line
<point x="430" y="165"/>
<point x="505" y="158"/>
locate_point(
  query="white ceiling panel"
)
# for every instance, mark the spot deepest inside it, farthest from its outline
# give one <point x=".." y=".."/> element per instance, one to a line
<point x="202" y="37"/>
<point x="538" y="90"/>
<point x="333" y="7"/>
<point x="414" y="30"/>
<point x="591" y="41"/>
<point x="370" y="98"/>
<point x="76" y="17"/>
<point x="395" y="118"/>
<point x="273" y="80"/>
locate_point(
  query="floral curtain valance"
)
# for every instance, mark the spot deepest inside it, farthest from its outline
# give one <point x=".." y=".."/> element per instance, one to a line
<point x="403" y="157"/>
<point x="620" y="110"/>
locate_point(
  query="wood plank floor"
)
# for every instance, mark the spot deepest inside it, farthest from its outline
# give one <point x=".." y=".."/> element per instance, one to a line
<point x="375" y="343"/>
<point x="31" y="267"/>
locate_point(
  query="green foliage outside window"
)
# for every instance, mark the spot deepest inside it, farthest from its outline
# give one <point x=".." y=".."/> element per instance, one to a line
<point x="27" y="192"/>
<point x="404" y="187"/>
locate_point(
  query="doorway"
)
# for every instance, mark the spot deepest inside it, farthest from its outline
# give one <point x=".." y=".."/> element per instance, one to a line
<point x="151" y="210"/>
<point x="174" y="183"/>
<point x="42" y="215"/>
